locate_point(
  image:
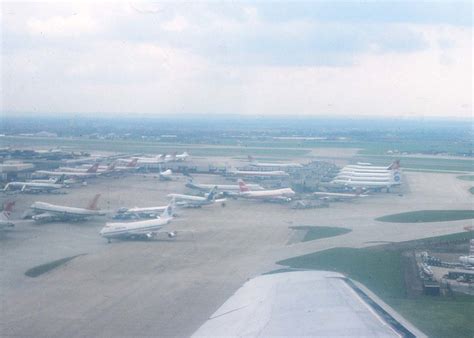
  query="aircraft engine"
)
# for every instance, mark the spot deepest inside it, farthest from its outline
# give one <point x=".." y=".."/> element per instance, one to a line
<point x="172" y="234"/>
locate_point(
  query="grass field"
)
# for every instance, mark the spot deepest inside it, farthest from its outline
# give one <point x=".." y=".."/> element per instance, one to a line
<point x="373" y="152"/>
<point x="420" y="163"/>
<point x="318" y="232"/>
<point x="466" y="177"/>
<point x="423" y="216"/>
<point x="380" y="269"/>
<point x="134" y="146"/>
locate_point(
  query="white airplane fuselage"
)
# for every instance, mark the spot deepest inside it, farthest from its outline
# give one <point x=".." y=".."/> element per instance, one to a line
<point x="268" y="194"/>
<point x="53" y="211"/>
<point x="29" y="186"/>
<point x="119" y="230"/>
<point x="251" y="173"/>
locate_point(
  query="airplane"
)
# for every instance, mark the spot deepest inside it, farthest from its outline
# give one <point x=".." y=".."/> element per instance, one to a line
<point x="147" y="212"/>
<point x="277" y="195"/>
<point x="191" y="201"/>
<point x="91" y="172"/>
<point x="369" y="184"/>
<point x="130" y="166"/>
<point x="5" y="216"/>
<point x="254" y="163"/>
<point x="348" y="174"/>
<point x="176" y="157"/>
<point x="32" y="186"/>
<point x="100" y="169"/>
<point x="372" y="169"/>
<point x="181" y="157"/>
<point x="46" y="212"/>
<point x="139" y="229"/>
<point x="257" y="174"/>
<point x="370" y="177"/>
<point x="338" y="196"/>
<point x="224" y="188"/>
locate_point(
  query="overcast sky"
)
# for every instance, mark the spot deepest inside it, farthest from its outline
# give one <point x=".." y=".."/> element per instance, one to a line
<point x="254" y="58"/>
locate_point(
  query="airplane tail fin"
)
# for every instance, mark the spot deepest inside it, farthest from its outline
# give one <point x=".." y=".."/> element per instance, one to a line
<point x="212" y="194"/>
<point x="7" y="209"/>
<point x="60" y="179"/>
<point x="242" y="186"/>
<point x="395" y="165"/>
<point x="168" y="212"/>
<point x="133" y="163"/>
<point x="111" y="166"/>
<point x="250" y="158"/>
<point x="93" y="204"/>
<point x="94" y="168"/>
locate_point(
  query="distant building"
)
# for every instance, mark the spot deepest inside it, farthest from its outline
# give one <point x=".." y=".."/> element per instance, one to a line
<point x="15" y="170"/>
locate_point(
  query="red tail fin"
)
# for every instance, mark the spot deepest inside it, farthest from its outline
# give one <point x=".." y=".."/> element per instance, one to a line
<point x="242" y="186"/>
<point x="94" y="168"/>
<point x="93" y="204"/>
<point x="8" y="208"/>
<point x="133" y="163"/>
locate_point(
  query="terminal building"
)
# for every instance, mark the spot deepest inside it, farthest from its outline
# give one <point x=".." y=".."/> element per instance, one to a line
<point x="11" y="171"/>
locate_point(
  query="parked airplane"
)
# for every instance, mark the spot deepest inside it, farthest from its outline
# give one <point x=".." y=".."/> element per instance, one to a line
<point x="372" y="169"/>
<point x="91" y="172"/>
<point x="257" y="174"/>
<point x="144" y="212"/>
<point x="224" y="188"/>
<point x="5" y="216"/>
<point x="34" y="187"/>
<point x="176" y="157"/>
<point x="191" y="201"/>
<point x="337" y="196"/>
<point x="367" y="177"/>
<point x="276" y="195"/>
<point x="129" y="167"/>
<point x="96" y="166"/>
<point x="369" y="184"/>
<point x="139" y="229"/>
<point x="254" y="163"/>
<point x="381" y="174"/>
<point x="46" y="212"/>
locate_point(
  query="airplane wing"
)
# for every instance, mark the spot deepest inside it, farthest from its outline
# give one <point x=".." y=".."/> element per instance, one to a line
<point x="305" y="304"/>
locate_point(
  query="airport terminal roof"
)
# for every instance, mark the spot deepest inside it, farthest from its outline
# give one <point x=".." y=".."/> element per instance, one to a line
<point x="300" y="303"/>
<point x="7" y="167"/>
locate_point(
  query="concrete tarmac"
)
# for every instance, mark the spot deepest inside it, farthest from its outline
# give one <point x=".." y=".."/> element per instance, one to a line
<point x="170" y="287"/>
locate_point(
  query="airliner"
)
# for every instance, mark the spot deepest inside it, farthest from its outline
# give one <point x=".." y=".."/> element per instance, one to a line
<point x="46" y="212"/>
<point x="337" y="196"/>
<point x="254" y="163"/>
<point x="258" y="174"/>
<point x="5" y="222"/>
<point x="147" y="212"/>
<point x="224" y="188"/>
<point x="278" y="195"/>
<point x="192" y="201"/>
<point x="176" y="157"/>
<point x="140" y="229"/>
<point x="91" y="172"/>
<point x="32" y="187"/>
<point x="369" y="168"/>
<point x="369" y="184"/>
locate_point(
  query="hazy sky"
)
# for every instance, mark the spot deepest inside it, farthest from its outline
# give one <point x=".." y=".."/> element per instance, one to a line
<point x="381" y="58"/>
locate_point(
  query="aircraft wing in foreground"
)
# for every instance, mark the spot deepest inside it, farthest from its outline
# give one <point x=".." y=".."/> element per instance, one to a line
<point x="305" y="304"/>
